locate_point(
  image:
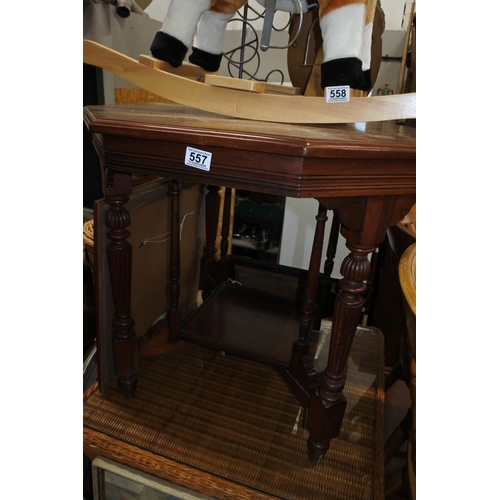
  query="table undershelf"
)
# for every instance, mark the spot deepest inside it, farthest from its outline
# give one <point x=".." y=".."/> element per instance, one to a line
<point x="245" y="323"/>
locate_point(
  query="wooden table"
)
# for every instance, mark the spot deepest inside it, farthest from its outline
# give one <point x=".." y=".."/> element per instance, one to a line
<point x="366" y="172"/>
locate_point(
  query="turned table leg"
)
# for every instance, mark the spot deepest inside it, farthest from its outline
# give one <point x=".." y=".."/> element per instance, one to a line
<point x="331" y="250"/>
<point x="209" y="259"/>
<point x="215" y="270"/>
<point x="364" y="222"/>
<point x="325" y="290"/>
<point x="226" y="221"/>
<point x="175" y="264"/>
<point x="301" y="366"/>
<point x="328" y="404"/>
<point x="119" y="251"/>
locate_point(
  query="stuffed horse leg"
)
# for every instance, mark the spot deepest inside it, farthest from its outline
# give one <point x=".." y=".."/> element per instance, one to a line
<point x="366" y="50"/>
<point x="209" y="37"/>
<point x="177" y="34"/>
<point x="202" y="24"/>
<point x="346" y="28"/>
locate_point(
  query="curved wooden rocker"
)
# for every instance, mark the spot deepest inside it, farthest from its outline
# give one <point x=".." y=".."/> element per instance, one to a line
<point x="251" y="106"/>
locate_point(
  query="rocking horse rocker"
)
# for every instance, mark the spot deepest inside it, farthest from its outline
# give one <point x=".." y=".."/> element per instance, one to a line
<point x="346" y="28"/>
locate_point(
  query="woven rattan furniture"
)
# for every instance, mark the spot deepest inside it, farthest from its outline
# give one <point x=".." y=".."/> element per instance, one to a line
<point x="229" y="428"/>
<point x="364" y="171"/>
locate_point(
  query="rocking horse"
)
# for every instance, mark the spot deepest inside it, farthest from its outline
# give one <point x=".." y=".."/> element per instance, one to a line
<point x="346" y="30"/>
<point x="346" y="27"/>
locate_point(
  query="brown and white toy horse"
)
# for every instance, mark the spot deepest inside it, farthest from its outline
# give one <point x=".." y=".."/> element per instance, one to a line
<point x="201" y="24"/>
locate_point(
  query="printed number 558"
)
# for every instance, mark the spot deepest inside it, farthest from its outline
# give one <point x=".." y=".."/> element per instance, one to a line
<point x="336" y="93"/>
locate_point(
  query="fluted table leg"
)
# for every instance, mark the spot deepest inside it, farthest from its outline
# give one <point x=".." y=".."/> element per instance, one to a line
<point x="301" y="366"/>
<point x="329" y="400"/>
<point x="364" y="222"/>
<point x="119" y="252"/>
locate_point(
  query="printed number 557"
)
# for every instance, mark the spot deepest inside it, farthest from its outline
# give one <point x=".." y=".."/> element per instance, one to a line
<point x="197" y="157"/>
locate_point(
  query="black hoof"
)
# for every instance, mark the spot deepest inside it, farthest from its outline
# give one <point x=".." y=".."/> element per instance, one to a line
<point x="123" y="11"/>
<point x="367" y="86"/>
<point x="168" y="49"/>
<point x="207" y="61"/>
<point x="345" y="71"/>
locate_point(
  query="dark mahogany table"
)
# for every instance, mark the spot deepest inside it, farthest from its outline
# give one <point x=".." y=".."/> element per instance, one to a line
<point x="365" y="172"/>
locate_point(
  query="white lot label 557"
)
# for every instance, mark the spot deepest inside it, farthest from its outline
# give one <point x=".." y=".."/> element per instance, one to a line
<point x="198" y="158"/>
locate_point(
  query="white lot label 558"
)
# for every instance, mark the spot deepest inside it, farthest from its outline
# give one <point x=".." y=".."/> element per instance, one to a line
<point x="337" y="94"/>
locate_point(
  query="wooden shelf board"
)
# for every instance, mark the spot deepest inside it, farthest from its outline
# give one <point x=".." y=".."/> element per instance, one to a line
<point x="245" y="323"/>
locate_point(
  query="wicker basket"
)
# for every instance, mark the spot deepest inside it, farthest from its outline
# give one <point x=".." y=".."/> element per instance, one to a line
<point x="88" y="245"/>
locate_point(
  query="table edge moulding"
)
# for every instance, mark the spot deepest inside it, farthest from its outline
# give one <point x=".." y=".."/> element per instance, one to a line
<point x="365" y="172"/>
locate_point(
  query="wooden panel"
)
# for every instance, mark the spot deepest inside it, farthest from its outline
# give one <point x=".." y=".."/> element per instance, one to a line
<point x="286" y="175"/>
<point x="158" y="121"/>
<point x="308" y="161"/>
